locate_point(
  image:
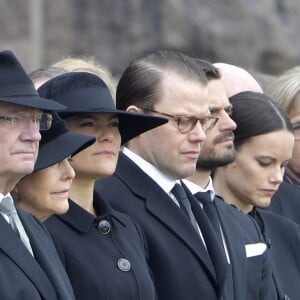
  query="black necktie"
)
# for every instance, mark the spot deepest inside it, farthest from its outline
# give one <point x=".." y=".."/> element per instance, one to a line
<point x="184" y="203"/>
<point x="210" y="210"/>
<point x="214" y="246"/>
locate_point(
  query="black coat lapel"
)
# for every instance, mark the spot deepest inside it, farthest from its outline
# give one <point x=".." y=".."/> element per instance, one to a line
<point x="13" y="247"/>
<point x="46" y="255"/>
<point x="219" y="257"/>
<point x="235" y="246"/>
<point x="160" y="205"/>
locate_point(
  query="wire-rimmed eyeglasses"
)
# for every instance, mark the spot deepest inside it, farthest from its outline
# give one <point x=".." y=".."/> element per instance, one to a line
<point x="42" y="121"/>
<point x="186" y="124"/>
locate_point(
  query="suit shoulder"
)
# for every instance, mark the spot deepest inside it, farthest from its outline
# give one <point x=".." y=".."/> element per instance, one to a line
<point x="287" y="189"/>
<point x="231" y="215"/>
<point x="232" y="210"/>
<point x="287" y="193"/>
<point x="282" y="221"/>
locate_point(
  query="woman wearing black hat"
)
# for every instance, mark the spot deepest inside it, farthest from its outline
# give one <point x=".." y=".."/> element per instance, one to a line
<point x="45" y="191"/>
<point x="104" y="250"/>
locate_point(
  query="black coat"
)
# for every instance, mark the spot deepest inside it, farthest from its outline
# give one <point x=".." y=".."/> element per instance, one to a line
<point x="283" y="236"/>
<point x="177" y="257"/>
<point x="105" y="256"/>
<point x="23" y="277"/>
<point x="286" y="202"/>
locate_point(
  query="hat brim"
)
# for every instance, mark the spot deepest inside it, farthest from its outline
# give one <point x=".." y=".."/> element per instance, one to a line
<point x="67" y="144"/>
<point x="34" y="102"/>
<point x="131" y="124"/>
<point x="134" y="124"/>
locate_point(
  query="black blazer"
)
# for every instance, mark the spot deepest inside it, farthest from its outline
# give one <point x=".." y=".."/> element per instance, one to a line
<point x="286" y="202"/>
<point x="105" y="256"/>
<point x="23" y="277"/>
<point x="177" y="257"/>
<point x="283" y="236"/>
<point x="248" y="273"/>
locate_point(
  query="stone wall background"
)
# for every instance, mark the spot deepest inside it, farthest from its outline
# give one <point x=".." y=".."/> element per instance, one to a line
<point x="260" y="35"/>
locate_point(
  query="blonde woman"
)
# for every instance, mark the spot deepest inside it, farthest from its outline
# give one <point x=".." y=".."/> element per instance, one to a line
<point x="104" y="250"/>
<point x="285" y="89"/>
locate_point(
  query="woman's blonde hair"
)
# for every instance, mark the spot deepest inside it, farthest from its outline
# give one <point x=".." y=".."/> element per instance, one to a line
<point x="285" y="89"/>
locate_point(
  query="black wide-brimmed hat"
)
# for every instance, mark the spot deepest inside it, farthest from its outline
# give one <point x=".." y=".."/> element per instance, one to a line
<point x="17" y="88"/>
<point x="83" y="92"/>
<point x="58" y="143"/>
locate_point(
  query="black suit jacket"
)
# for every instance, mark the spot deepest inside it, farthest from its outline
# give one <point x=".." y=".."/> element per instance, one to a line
<point x="23" y="277"/>
<point x="178" y="259"/>
<point x="283" y="236"/>
<point x="252" y="276"/>
<point x="286" y="202"/>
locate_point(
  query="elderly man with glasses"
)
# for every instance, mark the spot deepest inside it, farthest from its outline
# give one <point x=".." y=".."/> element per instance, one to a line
<point x="30" y="267"/>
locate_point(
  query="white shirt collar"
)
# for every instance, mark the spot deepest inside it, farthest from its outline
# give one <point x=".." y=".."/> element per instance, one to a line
<point x="4" y="196"/>
<point x="194" y="188"/>
<point x="164" y="181"/>
<point x="2" y="213"/>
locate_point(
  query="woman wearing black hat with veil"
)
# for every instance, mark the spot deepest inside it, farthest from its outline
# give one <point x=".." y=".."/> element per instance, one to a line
<point x="104" y="250"/>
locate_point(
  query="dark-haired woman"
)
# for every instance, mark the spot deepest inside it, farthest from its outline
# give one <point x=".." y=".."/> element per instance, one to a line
<point x="264" y="143"/>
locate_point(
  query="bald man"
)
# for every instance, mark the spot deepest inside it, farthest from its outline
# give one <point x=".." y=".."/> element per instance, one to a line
<point x="236" y="79"/>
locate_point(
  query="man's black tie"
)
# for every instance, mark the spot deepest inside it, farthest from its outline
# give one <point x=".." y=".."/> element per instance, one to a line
<point x="211" y="212"/>
<point x="209" y="208"/>
<point x="184" y="203"/>
<point x="214" y="246"/>
<point x="214" y="243"/>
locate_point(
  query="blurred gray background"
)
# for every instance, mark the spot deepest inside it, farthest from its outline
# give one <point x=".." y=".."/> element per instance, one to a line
<point x="259" y="35"/>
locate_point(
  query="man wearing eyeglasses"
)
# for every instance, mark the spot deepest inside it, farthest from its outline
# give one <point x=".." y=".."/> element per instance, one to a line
<point x="29" y="264"/>
<point x="186" y="261"/>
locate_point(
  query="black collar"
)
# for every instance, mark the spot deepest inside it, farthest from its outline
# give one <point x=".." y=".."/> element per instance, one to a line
<point x="83" y="221"/>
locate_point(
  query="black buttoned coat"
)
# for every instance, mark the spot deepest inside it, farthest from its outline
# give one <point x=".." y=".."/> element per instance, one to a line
<point x="105" y="256"/>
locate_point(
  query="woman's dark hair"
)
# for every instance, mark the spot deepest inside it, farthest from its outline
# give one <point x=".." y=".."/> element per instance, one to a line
<point x="256" y="114"/>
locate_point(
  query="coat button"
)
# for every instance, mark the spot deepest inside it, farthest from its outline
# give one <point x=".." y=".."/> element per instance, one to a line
<point x="104" y="227"/>
<point x="124" y="264"/>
